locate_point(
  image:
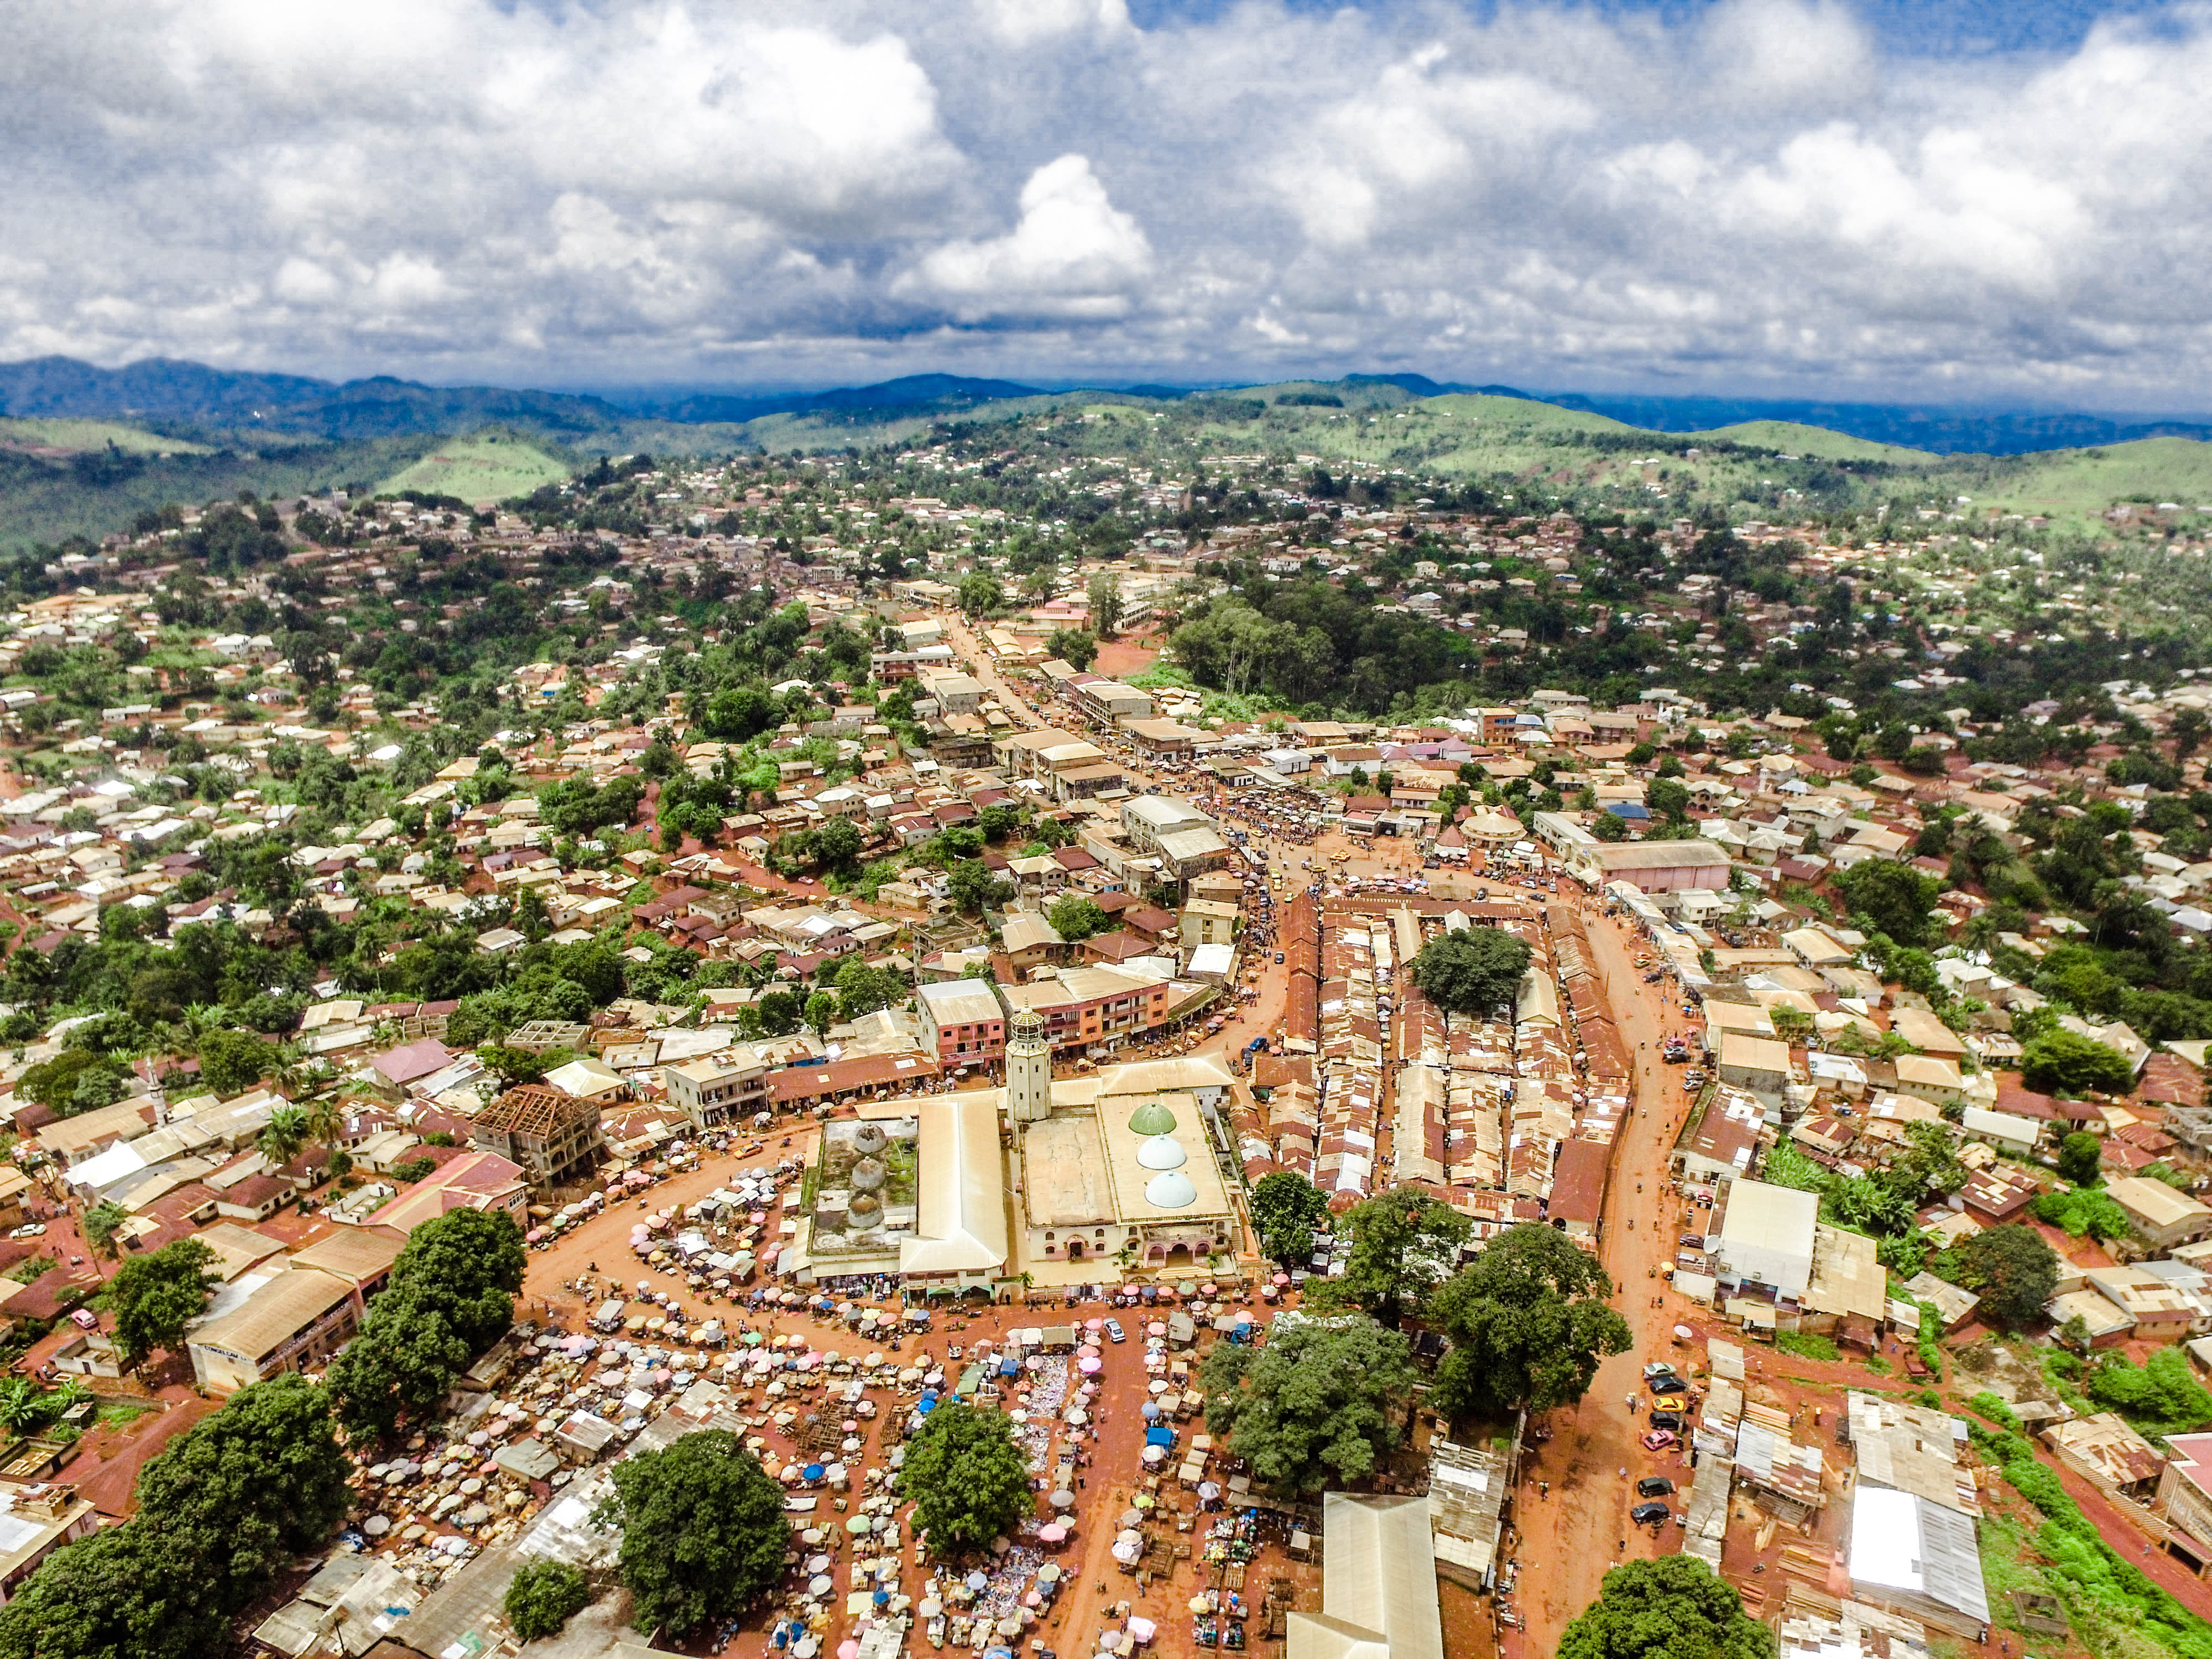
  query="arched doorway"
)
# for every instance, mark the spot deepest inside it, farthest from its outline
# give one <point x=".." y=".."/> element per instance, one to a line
<point x="1075" y="1250"/>
<point x="1179" y="1256"/>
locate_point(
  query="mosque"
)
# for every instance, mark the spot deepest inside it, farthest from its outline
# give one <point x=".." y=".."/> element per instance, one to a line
<point x="1074" y="1181"/>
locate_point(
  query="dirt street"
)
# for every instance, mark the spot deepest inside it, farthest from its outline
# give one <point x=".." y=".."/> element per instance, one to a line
<point x="1573" y="1535"/>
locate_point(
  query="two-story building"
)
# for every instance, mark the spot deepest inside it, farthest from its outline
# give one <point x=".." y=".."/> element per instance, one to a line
<point x="719" y="1088"/>
<point x="963" y="1022"/>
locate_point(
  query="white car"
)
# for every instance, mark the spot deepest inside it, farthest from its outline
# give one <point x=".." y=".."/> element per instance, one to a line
<point x="33" y="1230"/>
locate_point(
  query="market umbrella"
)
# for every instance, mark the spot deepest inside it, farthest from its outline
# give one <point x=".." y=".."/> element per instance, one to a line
<point x="1150" y="1410"/>
<point x="1062" y="1500"/>
<point x="819" y="1585"/>
<point x="976" y="1581"/>
<point x="931" y="1607"/>
<point x="1090" y="1364"/>
<point x="1055" y="1534"/>
<point x="849" y="1648"/>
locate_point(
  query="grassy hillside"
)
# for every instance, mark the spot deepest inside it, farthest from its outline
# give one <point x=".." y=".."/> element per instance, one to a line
<point x="63" y="435"/>
<point x="1791" y="439"/>
<point x="2083" y="483"/>
<point x="489" y="467"/>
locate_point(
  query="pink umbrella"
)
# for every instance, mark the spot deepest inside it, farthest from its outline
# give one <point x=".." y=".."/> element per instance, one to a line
<point x="1094" y="1324"/>
<point x="848" y="1650"/>
<point x="1156" y="1330"/>
<point x="1055" y="1534"/>
<point x="1090" y="1363"/>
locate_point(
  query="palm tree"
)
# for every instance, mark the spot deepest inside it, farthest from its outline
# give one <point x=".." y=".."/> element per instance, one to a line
<point x="286" y="1133"/>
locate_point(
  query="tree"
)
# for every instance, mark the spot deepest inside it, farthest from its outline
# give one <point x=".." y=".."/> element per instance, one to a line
<point x="102" y="1223"/>
<point x="703" y="1530"/>
<point x="2064" y="1062"/>
<point x="737" y="713"/>
<point x="2079" y="1156"/>
<point x="286" y="1134"/>
<point x="821" y="1012"/>
<point x="451" y="1297"/>
<point x="248" y="1488"/>
<point x="1670" y="1607"/>
<point x="1608" y="826"/>
<point x="862" y="989"/>
<point x="231" y="1062"/>
<point x="154" y="1296"/>
<point x="2012" y="1270"/>
<point x="2161" y="1396"/>
<point x="1077" y="647"/>
<point x="1892" y="898"/>
<point x="1077" y="916"/>
<point x="1403" y="1245"/>
<point x="2089" y="1212"/>
<point x="1105" y="596"/>
<point x="1285" y="1207"/>
<point x="1316" y="1406"/>
<point x="837" y="844"/>
<point x="1472" y="971"/>
<point x="1528" y="1322"/>
<point x="980" y="594"/>
<point x="974" y="887"/>
<point x="1668" y="798"/>
<point x="780" y="1012"/>
<point x="971" y="1481"/>
<point x="541" y="1598"/>
<point x="125" y="1593"/>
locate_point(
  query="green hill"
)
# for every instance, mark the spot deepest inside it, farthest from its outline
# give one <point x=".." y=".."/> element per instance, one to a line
<point x="488" y="466"/>
<point x="1791" y="439"/>
<point x="68" y="437"/>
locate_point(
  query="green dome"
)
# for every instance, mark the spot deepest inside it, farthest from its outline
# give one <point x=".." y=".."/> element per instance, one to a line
<point x="1152" y="1118"/>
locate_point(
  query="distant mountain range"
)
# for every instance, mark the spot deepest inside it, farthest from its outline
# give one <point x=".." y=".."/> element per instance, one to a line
<point x="179" y="393"/>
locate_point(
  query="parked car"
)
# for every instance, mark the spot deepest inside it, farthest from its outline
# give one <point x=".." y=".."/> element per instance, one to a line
<point x="1654" y="1485"/>
<point x="1649" y="1515"/>
<point x="1657" y="1368"/>
<point x="1665" y="1420"/>
<point x="32" y="1229"/>
<point x="1279" y="958"/>
<point x="1660" y="1440"/>
<point x="1115" y="1333"/>
<point x="1669" y="1383"/>
<point x="1692" y="1241"/>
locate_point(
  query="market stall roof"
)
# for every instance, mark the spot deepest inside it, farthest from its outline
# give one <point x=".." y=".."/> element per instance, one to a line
<point x="1378" y="1584"/>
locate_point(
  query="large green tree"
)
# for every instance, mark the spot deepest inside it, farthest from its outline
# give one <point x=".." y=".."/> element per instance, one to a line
<point x="2062" y="1062"/>
<point x="247" y="1489"/>
<point x="451" y="1297"/>
<point x="704" y="1531"/>
<point x="1318" y="1405"/>
<point x="127" y="1593"/>
<point x="154" y="1296"/>
<point x="1529" y="1324"/>
<point x="970" y="1481"/>
<point x="1892" y="898"/>
<point x="2080" y="1156"/>
<point x="1473" y="971"/>
<point x="1077" y="916"/>
<point x="2012" y="1269"/>
<point x="1285" y="1207"/>
<point x="1404" y="1244"/>
<point x="1672" y="1608"/>
<point x="226" y="1507"/>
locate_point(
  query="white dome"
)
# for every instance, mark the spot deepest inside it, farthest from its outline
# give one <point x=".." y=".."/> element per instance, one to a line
<point x="1170" y="1190"/>
<point x="1161" y="1152"/>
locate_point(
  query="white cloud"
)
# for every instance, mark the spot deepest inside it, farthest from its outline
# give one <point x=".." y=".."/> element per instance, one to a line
<point x="624" y="190"/>
<point x="1073" y="254"/>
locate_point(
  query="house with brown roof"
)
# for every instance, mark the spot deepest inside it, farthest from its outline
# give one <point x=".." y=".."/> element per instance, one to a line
<point x="474" y="1181"/>
<point x="294" y="1321"/>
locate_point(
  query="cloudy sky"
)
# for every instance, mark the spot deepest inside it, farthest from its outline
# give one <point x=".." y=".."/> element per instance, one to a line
<point x="1948" y="200"/>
